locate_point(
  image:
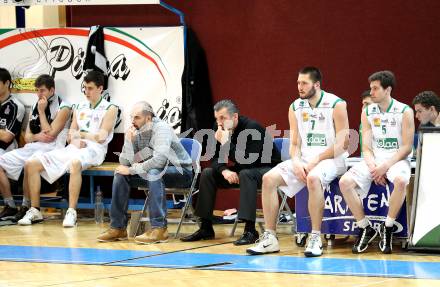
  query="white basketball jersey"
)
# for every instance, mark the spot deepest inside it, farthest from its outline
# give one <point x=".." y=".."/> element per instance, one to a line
<point x="90" y="118"/>
<point x="386" y="128"/>
<point x="315" y="125"/>
<point x="55" y="105"/>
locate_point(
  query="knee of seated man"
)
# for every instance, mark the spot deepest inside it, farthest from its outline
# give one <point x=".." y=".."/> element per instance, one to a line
<point x="344" y="183"/>
<point x="399" y="183"/>
<point x="313" y="179"/>
<point x="118" y="177"/>
<point x="207" y="172"/>
<point x="75" y="166"/>
<point x="30" y="165"/>
<point x="245" y="173"/>
<point x="154" y="173"/>
<point x="267" y="179"/>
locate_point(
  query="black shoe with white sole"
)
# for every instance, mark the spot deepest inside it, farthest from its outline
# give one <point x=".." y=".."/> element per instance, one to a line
<point x="8" y="213"/>
<point x="366" y="235"/>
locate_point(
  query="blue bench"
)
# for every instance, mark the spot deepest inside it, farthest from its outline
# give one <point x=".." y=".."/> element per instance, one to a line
<point x="107" y="169"/>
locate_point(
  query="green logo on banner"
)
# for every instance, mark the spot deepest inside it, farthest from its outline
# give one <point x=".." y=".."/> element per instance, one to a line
<point x="388" y="143"/>
<point x="316" y="140"/>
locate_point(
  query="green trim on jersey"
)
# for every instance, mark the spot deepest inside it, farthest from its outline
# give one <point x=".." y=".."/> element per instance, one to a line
<point x="112" y="105"/>
<point x="391" y="104"/>
<point x="97" y="104"/>
<point x="405" y="108"/>
<point x="337" y="101"/>
<point x="320" y="99"/>
<point x="65" y="106"/>
<point x="366" y="110"/>
<point x="293" y="106"/>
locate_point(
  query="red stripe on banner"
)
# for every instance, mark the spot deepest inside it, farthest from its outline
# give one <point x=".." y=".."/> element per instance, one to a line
<point x="73" y="32"/>
<point x="134" y="48"/>
<point x="44" y="32"/>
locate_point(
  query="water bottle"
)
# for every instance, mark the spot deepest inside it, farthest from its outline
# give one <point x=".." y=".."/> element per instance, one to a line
<point x="99" y="206"/>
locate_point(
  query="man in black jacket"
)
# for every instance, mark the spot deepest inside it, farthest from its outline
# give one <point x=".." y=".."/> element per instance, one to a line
<point x="244" y="143"/>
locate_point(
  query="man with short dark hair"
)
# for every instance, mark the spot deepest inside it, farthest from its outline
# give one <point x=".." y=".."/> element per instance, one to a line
<point x="47" y="119"/>
<point x="238" y="139"/>
<point x="318" y="143"/>
<point x="366" y="99"/>
<point x="388" y="132"/>
<point x="152" y="155"/>
<point x="91" y="130"/>
<point x="11" y="117"/>
<point x="11" y="113"/>
<point x="427" y="107"/>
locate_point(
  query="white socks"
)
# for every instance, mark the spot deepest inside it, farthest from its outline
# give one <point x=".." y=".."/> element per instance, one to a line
<point x="389" y="222"/>
<point x="10" y="202"/>
<point x="363" y="223"/>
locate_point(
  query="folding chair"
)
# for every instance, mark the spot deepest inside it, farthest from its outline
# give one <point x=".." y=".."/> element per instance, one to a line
<point x="282" y="144"/>
<point x="194" y="149"/>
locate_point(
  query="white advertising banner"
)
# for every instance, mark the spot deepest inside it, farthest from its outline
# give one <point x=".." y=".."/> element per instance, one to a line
<point x="145" y="64"/>
<point x="76" y="2"/>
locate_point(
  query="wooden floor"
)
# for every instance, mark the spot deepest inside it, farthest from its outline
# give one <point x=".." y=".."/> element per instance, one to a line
<point x="51" y="234"/>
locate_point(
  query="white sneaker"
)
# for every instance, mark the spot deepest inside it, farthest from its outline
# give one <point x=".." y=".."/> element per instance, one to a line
<point x="314" y="246"/>
<point x="70" y="218"/>
<point x="268" y="243"/>
<point x="32" y="216"/>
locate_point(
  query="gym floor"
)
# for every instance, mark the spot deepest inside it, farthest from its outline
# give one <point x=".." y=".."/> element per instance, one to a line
<point x="46" y="254"/>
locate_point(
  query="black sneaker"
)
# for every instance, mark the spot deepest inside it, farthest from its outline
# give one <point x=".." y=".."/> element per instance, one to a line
<point x="21" y="212"/>
<point x="366" y="235"/>
<point x="8" y="213"/>
<point x="386" y="239"/>
<point x="248" y="237"/>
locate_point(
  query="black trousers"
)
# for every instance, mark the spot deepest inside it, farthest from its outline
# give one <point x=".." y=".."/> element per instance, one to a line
<point x="250" y="182"/>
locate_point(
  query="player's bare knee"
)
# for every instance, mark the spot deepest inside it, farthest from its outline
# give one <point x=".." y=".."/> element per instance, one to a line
<point x="268" y="181"/>
<point x="313" y="180"/>
<point x="344" y="184"/>
<point x="399" y="184"/>
<point x="75" y="166"/>
<point x="31" y="166"/>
